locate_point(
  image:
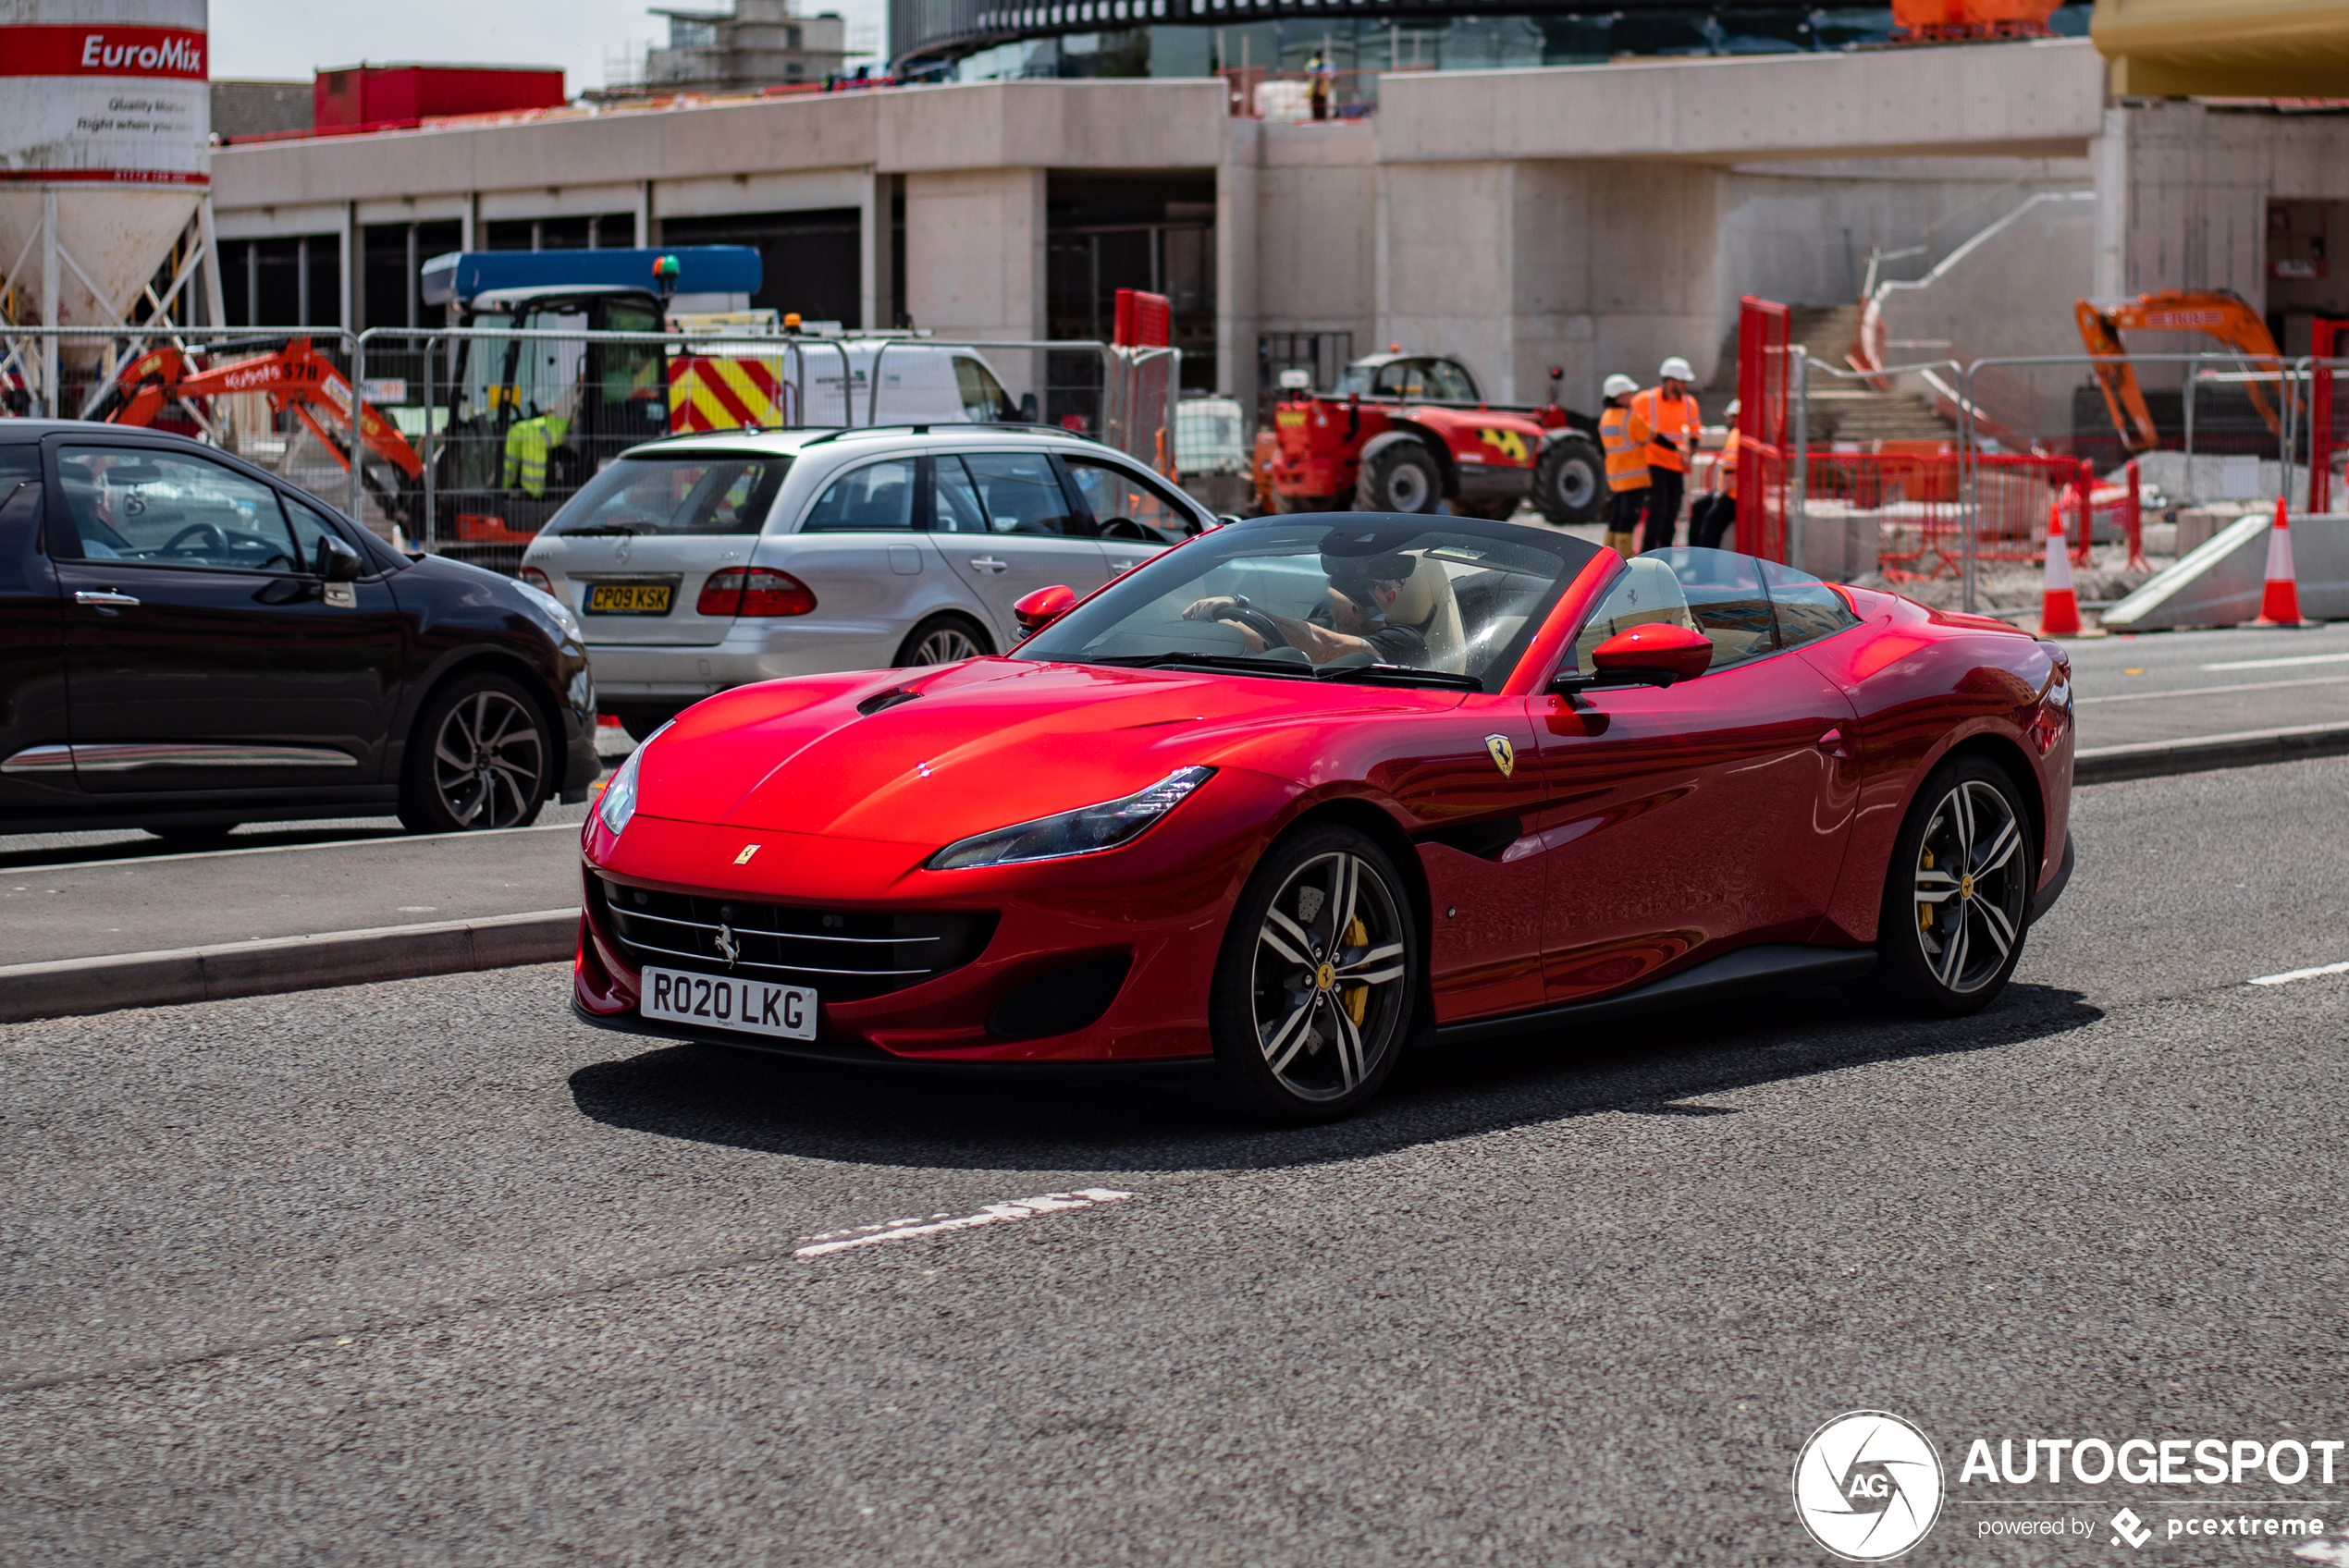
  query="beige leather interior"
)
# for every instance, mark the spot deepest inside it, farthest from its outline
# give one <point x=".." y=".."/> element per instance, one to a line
<point x="1426" y="602"/>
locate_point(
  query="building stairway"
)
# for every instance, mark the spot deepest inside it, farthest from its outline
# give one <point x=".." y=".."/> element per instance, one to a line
<point x="1841" y="410"/>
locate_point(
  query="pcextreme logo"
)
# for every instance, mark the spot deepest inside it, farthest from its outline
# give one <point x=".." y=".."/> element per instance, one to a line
<point x="1867" y="1485"/>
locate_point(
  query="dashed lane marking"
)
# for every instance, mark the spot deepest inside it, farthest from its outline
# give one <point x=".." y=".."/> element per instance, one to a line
<point x="2289" y="975"/>
<point x="939" y="1224"/>
<point x="2278" y="664"/>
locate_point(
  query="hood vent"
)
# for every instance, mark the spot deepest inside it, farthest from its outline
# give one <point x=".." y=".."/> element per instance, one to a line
<point x="888" y="699"/>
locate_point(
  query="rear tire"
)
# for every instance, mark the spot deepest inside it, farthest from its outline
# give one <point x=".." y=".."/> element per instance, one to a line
<point x="1400" y="478"/>
<point x="1957" y="896"/>
<point x="942" y="639"/>
<point x="1570" y="482"/>
<point x="1314" y="991"/>
<point x="480" y="757"/>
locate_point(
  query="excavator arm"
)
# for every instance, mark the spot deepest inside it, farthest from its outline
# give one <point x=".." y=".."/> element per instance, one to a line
<point x="2220" y="315"/>
<point x="295" y="378"/>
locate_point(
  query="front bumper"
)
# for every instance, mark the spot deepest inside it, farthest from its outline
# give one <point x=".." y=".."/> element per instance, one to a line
<point x="1157" y="906"/>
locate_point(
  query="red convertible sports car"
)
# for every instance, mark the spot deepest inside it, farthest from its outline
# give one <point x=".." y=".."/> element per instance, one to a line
<point x="1306" y="790"/>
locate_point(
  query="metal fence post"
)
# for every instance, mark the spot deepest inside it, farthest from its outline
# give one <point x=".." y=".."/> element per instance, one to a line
<point x="431" y="405"/>
<point x="356" y="347"/>
<point x="1969" y="478"/>
<point x="1799" y="481"/>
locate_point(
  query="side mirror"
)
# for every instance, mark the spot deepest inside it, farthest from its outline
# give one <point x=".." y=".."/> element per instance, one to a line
<point x="1037" y="610"/>
<point x="338" y="562"/>
<point x="1654" y="654"/>
<point x="1027" y="408"/>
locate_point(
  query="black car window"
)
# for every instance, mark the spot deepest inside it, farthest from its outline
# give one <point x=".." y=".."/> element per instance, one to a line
<point x="1726" y="599"/>
<point x="676" y="493"/>
<point x="1113" y="491"/>
<point x="1449" y="383"/>
<point x="309" y="527"/>
<point x="1020" y="492"/>
<point x="955" y="504"/>
<point x="879" y="496"/>
<point x="164" y="508"/>
<point x="1807" y="609"/>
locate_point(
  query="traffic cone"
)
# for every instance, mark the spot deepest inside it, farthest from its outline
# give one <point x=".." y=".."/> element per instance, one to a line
<point x="2280" y="600"/>
<point x="2058" y="605"/>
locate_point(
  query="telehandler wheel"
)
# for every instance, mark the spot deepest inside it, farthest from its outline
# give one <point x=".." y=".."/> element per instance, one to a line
<point x="1401" y="478"/>
<point x="1570" y="482"/>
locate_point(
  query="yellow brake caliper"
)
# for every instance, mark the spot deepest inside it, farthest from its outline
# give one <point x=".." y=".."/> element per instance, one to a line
<point x="1924" y="912"/>
<point x="1357" y="999"/>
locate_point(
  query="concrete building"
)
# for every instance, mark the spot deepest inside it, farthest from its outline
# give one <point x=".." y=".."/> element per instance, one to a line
<point x="1592" y="218"/>
<point x="759" y="43"/>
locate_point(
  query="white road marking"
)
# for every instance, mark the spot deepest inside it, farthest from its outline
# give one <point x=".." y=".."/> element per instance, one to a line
<point x="2278" y="664"/>
<point x="2215" y="690"/>
<point x="938" y="1224"/>
<point x="383" y="836"/>
<point x="2289" y="975"/>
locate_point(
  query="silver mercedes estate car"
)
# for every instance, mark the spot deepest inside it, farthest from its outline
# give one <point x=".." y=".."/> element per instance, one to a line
<point x="707" y="561"/>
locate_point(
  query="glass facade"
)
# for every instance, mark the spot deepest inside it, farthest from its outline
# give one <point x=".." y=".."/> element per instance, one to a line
<point x="998" y="40"/>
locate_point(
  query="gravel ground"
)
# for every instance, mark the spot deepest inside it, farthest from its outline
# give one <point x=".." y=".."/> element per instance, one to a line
<point x="425" y="1272"/>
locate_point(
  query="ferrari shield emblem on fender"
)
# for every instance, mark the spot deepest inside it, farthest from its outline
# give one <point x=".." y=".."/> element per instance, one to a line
<point x="1504" y="755"/>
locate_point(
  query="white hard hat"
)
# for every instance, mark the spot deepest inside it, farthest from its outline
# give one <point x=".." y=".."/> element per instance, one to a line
<point x="1619" y="385"/>
<point x="1676" y="369"/>
<point x="1731" y="411"/>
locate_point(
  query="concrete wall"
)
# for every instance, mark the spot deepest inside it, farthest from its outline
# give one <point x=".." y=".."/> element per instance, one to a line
<point x="2008" y="293"/>
<point x="975" y="260"/>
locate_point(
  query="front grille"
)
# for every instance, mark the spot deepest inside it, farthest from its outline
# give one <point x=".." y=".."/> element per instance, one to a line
<point x="843" y="955"/>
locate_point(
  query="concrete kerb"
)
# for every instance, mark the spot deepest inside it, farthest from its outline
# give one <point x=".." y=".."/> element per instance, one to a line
<point x="105" y="984"/>
<point x="2202" y="754"/>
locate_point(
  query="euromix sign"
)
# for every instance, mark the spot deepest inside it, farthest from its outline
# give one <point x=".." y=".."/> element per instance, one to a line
<point x="1869" y="1486"/>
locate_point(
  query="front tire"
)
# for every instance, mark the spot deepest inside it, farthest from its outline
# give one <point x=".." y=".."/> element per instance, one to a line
<point x="1958" y="895"/>
<point x="1400" y="478"/>
<point x="480" y="758"/>
<point x="1316" y="984"/>
<point x="1570" y="482"/>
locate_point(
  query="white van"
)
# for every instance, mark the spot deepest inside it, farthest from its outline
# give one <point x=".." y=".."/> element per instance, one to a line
<point x="921" y="382"/>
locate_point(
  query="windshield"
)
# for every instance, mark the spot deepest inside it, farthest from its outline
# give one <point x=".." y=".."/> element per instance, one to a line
<point x="676" y="493"/>
<point x="1451" y="601"/>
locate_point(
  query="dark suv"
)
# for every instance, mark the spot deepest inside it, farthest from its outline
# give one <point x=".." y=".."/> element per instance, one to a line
<point x="188" y="642"/>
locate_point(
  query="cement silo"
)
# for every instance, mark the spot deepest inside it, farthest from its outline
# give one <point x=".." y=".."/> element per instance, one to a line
<point x="105" y="164"/>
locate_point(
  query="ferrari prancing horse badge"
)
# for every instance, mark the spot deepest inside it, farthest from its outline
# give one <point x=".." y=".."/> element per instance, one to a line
<point x="1504" y="755"/>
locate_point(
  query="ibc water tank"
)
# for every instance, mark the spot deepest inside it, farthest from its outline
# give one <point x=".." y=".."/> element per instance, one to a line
<point x="104" y="104"/>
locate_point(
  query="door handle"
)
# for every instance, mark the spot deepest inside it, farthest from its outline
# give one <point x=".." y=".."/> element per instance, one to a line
<point x="104" y="596"/>
<point x="988" y="563"/>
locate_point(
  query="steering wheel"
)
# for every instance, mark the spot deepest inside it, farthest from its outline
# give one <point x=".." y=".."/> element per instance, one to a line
<point x="1126" y="528"/>
<point x="1256" y="621"/>
<point x="201" y="531"/>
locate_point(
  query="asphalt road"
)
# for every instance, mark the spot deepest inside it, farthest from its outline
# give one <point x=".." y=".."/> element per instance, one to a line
<point x="425" y="1272"/>
<point x="2175" y="685"/>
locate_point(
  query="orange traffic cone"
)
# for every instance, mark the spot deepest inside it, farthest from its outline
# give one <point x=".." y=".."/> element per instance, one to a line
<point x="2058" y="605"/>
<point x="2279" y="601"/>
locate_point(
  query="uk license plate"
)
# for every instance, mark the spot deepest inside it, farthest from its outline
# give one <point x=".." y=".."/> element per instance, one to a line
<point x="713" y="1001"/>
<point x="628" y="598"/>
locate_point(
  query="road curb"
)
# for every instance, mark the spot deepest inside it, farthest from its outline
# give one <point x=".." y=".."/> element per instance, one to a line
<point x="71" y="987"/>
<point x="2253" y="748"/>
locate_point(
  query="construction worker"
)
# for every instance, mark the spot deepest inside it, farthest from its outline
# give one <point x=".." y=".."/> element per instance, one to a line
<point x="1625" y="436"/>
<point x="1715" y="514"/>
<point x="1672" y="420"/>
<point x="1319" y="76"/>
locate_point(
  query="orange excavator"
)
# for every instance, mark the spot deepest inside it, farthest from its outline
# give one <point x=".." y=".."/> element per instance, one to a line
<point x="295" y="378"/>
<point x="2222" y="315"/>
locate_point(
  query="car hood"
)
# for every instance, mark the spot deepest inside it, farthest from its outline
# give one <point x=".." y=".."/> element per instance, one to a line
<point x="976" y="746"/>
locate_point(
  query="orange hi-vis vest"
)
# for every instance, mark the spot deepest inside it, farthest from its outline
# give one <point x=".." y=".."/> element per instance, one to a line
<point x="1728" y="470"/>
<point x="1626" y="440"/>
<point x="1675" y="417"/>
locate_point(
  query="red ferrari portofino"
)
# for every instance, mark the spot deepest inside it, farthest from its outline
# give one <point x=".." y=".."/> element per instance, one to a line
<point x="1306" y="790"/>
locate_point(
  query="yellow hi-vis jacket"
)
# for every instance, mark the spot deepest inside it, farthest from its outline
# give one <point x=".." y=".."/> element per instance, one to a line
<point x="1625" y="436"/>
<point x="528" y="442"/>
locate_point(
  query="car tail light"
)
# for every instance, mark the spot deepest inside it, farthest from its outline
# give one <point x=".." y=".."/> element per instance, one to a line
<point x="536" y="578"/>
<point x="754" y="590"/>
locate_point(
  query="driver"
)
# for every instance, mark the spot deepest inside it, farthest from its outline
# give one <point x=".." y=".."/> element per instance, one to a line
<point x="1349" y="623"/>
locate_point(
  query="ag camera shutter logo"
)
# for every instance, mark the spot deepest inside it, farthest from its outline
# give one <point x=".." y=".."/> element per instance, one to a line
<point x="1867" y="1485"/>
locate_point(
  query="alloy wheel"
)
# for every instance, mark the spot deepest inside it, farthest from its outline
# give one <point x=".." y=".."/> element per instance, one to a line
<point x="1328" y="985"/>
<point x="1972" y="882"/>
<point x="488" y="761"/>
<point x="944" y="645"/>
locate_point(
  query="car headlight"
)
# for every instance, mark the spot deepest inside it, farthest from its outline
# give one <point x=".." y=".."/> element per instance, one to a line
<point x="1083" y="831"/>
<point x="554" y="609"/>
<point x="620" y="796"/>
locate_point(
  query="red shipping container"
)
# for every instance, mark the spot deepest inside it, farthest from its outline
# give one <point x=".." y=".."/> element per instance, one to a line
<point x="354" y="97"/>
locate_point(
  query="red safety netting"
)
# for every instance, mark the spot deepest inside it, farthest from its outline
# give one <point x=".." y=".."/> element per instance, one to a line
<point x="1762" y="412"/>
